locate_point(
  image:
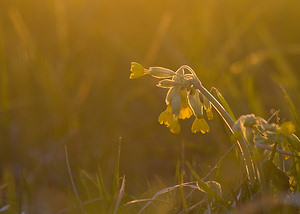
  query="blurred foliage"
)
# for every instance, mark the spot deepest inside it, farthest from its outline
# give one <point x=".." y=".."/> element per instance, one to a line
<point x="64" y="79"/>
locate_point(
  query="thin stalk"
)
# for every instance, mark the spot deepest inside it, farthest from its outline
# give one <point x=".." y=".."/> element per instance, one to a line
<point x="72" y="182"/>
<point x="245" y="151"/>
<point x="275" y="147"/>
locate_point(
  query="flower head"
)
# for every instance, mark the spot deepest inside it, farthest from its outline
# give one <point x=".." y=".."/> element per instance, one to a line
<point x="170" y="120"/>
<point x="185" y="110"/>
<point x="137" y="70"/>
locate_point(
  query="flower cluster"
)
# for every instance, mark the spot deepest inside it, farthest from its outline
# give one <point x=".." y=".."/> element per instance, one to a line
<point x="183" y="99"/>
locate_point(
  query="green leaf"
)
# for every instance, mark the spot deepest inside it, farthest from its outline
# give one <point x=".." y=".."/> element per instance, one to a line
<point x="292" y="107"/>
<point x="224" y="104"/>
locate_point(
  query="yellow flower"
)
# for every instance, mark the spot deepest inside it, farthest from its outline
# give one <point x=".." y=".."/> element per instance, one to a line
<point x="137" y="70"/>
<point x="170" y="120"/>
<point x="175" y="126"/>
<point x="166" y="116"/>
<point x="200" y="124"/>
<point x="185" y="110"/>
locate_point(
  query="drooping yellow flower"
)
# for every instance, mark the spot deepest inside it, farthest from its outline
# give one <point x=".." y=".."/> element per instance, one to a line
<point x="166" y="116"/>
<point x="137" y="70"/>
<point x="185" y="110"/>
<point x="175" y="126"/>
<point x="170" y="120"/>
<point x="201" y="125"/>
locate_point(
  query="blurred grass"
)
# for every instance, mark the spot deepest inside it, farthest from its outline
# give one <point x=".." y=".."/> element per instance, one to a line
<point x="64" y="68"/>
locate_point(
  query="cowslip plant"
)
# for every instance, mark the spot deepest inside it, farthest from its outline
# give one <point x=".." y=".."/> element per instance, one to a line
<point x="186" y="95"/>
<point x="258" y="140"/>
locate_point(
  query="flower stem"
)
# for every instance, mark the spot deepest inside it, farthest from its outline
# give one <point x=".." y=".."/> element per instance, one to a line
<point x="245" y="151"/>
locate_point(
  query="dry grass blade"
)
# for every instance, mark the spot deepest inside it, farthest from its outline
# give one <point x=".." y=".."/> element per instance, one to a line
<point x="220" y="160"/>
<point x="163" y="191"/>
<point x="4" y="208"/>
<point x="72" y="181"/>
<point x="280" y="151"/>
<point x="120" y="196"/>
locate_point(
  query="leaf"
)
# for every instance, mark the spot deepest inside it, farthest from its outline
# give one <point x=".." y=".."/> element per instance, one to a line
<point x="294" y="141"/>
<point x="224" y="104"/>
<point x="292" y="106"/>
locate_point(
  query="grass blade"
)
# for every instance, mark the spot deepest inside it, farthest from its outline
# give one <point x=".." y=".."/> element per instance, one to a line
<point x="120" y="196"/>
<point x="292" y="107"/>
<point x="72" y="181"/>
<point x="224" y="103"/>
